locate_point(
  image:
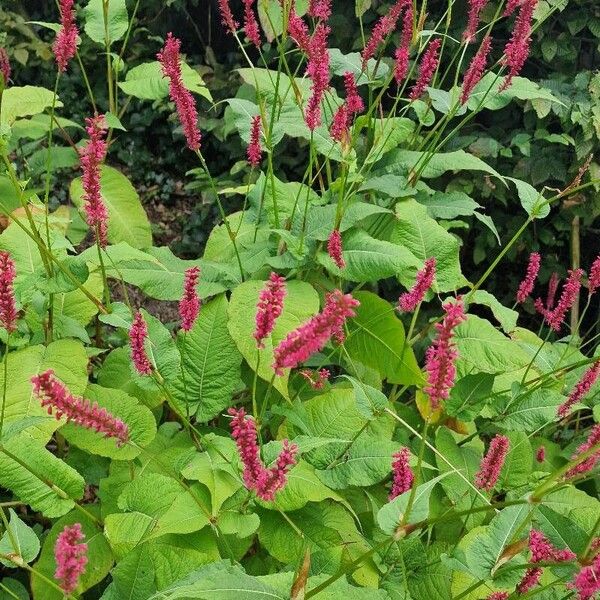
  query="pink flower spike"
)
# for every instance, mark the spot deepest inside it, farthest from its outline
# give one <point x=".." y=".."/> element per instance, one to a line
<point x="254" y="151"/>
<point x="540" y="455"/>
<point x="312" y="336"/>
<point x="65" y="44"/>
<point x="409" y="301"/>
<point x="354" y="102"/>
<point x="318" y="71"/>
<point x="580" y="390"/>
<point x="475" y="8"/>
<point x="137" y="339"/>
<point x="243" y="431"/>
<point x="570" y="293"/>
<point x="298" y="30"/>
<point x="269" y="307"/>
<point x="4" y="66"/>
<point x="587" y="581"/>
<point x="340" y="126"/>
<point x="251" y="27"/>
<point x="91" y="157"/>
<point x="70" y="554"/>
<point x="54" y="396"/>
<point x="8" y="308"/>
<point x="401" y="65"/>
<point x="316" y="379"/>
<point x="491" y="464"/>
<point x="475" y="70"/>
<point x="442" y="355"/>
<point x="227" y="17"/>
<point x="498" y="596"/>
<point x="511" y="5"/>
<point x="320" y="9"/>
<point x="529" y="580"/>
<point x="170" y="62"/>
<point x="189" y="305"/>
<point x="589" y="463"/>
<point x="427" y="69"/>
<point x="270" y="481"/>
<point x="383" y="28"/>
<point x="533" y="268"/>
<point x="403" y="475"/>
<point x="334" y="249"/>
<point x="594" y="278"/>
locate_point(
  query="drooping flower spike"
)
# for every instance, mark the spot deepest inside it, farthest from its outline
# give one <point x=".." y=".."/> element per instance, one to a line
<point x="189" y="305"/>
<point x="491" y="464"/>
<point x="170" y="62"/>
<point x="409" y="301"/>
<point x="533" y="269"/>
<point x="57" y="399"/>
<point x="403" y="476"/>
<point x="70" y="554"/>
<point x="65" y="44"/>
<point x="4" y="67"/>
<point x="427" y="68"/>
<point x="594" y="278"/>
<point x="475" y="70"/>
<point x="269" y="307"/>
<point x="91" y="157"/>
<point x="138" y="333"/>
<point x="254" y="151"/>
<point x="8" y="307"/>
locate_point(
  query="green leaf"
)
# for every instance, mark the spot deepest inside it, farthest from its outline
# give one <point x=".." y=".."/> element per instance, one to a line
<point x="138" y="418"/>
<point x="147" y="82"/>
<point x="415" y="230"/>
<point x="369" y="401"/>
<point x="361" y="7"/>
<point x="368" y="259"/>
<point x="449" y="205"/>
<point x="389" y="133"/>
<point x="517" y="465"/>
<point x="24" y="102"/>
<point x="532" y="201"/>
<point x="390" y="515"/>
<point x="561" y="531"/>
<point x="211" y="363"/>
<point x="19" y="542"/>
<point x="574" y="504"/>
<point x="11" y="589"/>
<point x="469" y="395"/>
<point x="530" y="411"/>
<point x="128" y="221"/>
<point x="117" y="21"/>
<point x="352" y="62"/>
<point x="301" y="303"/>
<point x="505" y="316"/>
<point x="376" y="339"/>
<point x="100" y="558"/>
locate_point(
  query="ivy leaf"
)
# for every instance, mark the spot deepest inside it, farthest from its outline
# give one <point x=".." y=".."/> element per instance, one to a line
<point x="19" y="542"/>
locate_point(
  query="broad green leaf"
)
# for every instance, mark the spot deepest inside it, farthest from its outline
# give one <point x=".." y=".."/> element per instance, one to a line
<point x="127" y="221"/>
<point x="146" y="81"/>
<point x="210" y="362"/>
<point x="19" y="542"/>
<point x="469" y="396"/>
<point x="369" y="259"/>
<point x="9" y="198"/>
<point x="264" y="82"/>
<point x="362" y="6"/>
<point x="76" y="305"/>
<point x="116" y="23"/>
<point x="376" y="339"/>
<point x="517" y="465"/>
<point x="24" y="102"/>
<point x="575" y="505"/>
<point x="352" y="63"/>
<point x="301" y="302"/>
<point x="100" y="558"/>
<point x="532" y="201"/>
<point x="138" y="418"/>
<point x="369" y="401"/>
<point x="415" y="230"/>
<point x="560" y="530"/>
<point x="388" y="134"/>
<point x="505" y="316"/>
<point x="448" y="205"/>
<point x="390" y="515"/>
<point x="11" y="589"/>
<point x="530" y="411"/>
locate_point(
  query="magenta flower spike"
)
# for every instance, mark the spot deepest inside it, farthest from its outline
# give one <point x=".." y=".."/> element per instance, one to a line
<point x="8" y="307"/>
<point x="189" y="305"/>
<point x="492" y="463"/>
<point x="403" y="476"/>
<point x="409" y="301"/>
<point x="269" y="307"/>
<point x="70" y="554"/>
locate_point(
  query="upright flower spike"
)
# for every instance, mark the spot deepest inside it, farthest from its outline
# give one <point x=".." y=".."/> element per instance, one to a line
<point x="533" y="268"/>
<point x="65" y="44"/>
<point x="298" y="30"/>
<point x="189" y="305"/>
<point x="335" y="249"/>
<point x="70" y="554"/>
<point x="403" y="476"/>
<point x="312" y="336"/>
<point x="4" y="66"/>
<point x="354" y="102"/>
<point x="8" y="308"/>
<point x="540" y="455"/>
<point x="587" y="581"/>
<point x="269" y="307"/>
<point x="475" y="71"/>
<point x="318" y="71"/>
<point x="409" y="301"/>
<point x="243" y="431"/>
<point x="580" y="391"/>
<point x="227" y="17"/>
<point x="569" y="295"/>
<point x="491" y="464"/>
<point x="441" y="356"/>
<point x="340" y="126"/>
<point x="386" y="25"/>
<point x="138" y="333"/>
<point x="401" y="63"/>
<point x="516" y="50"/>
<point x="270" y="481"/>
<point x="57" y="399"/>
<point x="589" y="463"/>
<point x="475" y="8"/>
<point x="427" y="69"/>
<point x="254" y="151"/>
<point x="251" y="27"/>
<point x="170" y="61"/>
<point x="91" y="157"/>
<point x="319" y="9"/>
<point x="594" y="278"/>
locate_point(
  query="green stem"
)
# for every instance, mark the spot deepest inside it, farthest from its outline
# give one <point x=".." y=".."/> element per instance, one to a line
<point x="4" y="384"/>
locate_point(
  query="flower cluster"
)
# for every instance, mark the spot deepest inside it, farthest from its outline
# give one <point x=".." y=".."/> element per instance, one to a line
<point x="589" y="463"/>
<point x="54" y="396"/>
<point x="316" y="379"/>
<point x="555" y="317"/>
<point x="491" y="464"/>
<point x="312" y="336"/>
<point x="265" y="482"/>
<point x="441" y="356"/>
<point x="584" y="385"/>
<point x="8" y="308"/>
<point x="383" y="28"/>
<point x="189" y="305"/>
<point x="318" y="71"/>
<point x="427" y="68"/>
<point x="319" y="9"/>
<point x="411" y="299"/>
<point x="298" y="30"/>
<point x="91" y="157"/>
<point x="516" y="50"/>
<point x="4" y="66"/>
<point x="251" y="24"/>
<point x="475" y="8"/>
<point x="254" y="150"/>
<point x="552" y="289"/>
<point x="70" y="554"/>
<point x="498" y="596"/>
<point x="403" y="51"/>
<point x="540" y="455"/>
<point x="138" y="333"/>
<point x="475" y="70"/>
<point x="403" y="476"/>
<point x="340" y="126"/>
<point x="227" y="17"/>
<point x="170" y="62"/>
<point x="65" y="44"/>
<point x="526" y="286"/>
<point x="269" y="307"/>
<point x="334" y="248"/>
<point x="594" y="278"/>
<point x="587" y="581"/>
